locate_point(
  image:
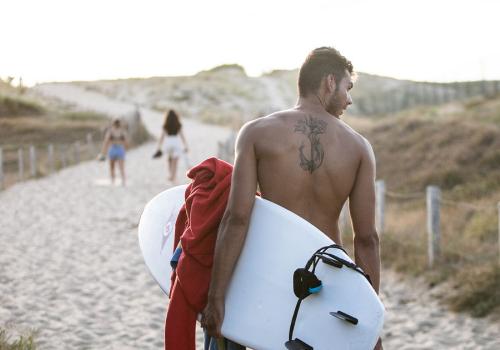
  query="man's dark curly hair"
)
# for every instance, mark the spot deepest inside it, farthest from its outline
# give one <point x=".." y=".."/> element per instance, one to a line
<point x="318" y="64"/>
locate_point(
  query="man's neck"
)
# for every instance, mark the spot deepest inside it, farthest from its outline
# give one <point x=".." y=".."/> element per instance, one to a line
<point x="312" y="103"/>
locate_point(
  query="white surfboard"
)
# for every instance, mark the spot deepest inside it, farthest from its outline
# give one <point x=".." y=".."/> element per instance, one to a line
<point x="260" y="300"/>
<point x="157" y="233"/>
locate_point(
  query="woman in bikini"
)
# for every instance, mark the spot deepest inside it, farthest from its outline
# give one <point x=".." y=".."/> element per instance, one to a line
<point x="115" y="145"/>
<point x="175" y="142"/>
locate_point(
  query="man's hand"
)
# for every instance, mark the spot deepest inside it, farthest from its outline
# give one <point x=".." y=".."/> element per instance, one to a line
<point x="212" y="317"/>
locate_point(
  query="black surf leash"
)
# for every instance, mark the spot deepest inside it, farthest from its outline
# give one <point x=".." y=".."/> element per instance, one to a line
<point x="305" y="283"/>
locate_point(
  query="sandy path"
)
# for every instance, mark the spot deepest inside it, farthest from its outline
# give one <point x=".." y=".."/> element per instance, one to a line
<point x="72" y="267"/>
<point x="417" y="318"/>
<point x="70" y="264"/>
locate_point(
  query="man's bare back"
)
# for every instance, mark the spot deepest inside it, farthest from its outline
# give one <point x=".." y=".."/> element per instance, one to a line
<point x="307" y="162"/>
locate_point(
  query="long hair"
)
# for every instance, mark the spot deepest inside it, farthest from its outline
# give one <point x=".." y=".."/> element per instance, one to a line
<point x="172" y="124"/>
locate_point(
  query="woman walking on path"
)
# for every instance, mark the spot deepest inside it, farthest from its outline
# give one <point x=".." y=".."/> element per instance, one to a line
<point x="115" y="144"/>
<point x="175" y="142"/>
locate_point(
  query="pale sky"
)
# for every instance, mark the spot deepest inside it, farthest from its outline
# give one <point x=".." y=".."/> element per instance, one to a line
<point x="434" y="40"/>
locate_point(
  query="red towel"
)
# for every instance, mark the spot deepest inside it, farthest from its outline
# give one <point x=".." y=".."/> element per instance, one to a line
<point x="196" y="229"/>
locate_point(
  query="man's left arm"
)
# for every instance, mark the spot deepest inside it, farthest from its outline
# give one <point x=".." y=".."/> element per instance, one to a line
<point x="362" y="208"/>
<point x="232" y="230"/>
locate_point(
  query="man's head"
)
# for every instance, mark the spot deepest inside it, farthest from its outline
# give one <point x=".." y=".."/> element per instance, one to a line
<point x="328" y="75"/>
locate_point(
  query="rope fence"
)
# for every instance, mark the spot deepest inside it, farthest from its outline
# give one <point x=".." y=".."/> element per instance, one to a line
<point x="434" y="202"/>
<point x="28" y="162"/>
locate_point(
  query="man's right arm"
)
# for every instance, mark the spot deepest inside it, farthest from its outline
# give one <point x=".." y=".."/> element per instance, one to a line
<point x="232" y="230"/>
<point x="362" y="207"/>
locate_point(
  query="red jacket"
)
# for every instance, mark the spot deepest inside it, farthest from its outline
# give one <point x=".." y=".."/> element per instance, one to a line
<point x="196" y="229"/>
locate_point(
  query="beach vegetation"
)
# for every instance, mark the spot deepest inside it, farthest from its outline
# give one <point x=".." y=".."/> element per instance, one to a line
<point x="22" y="342"/>
<point x="456" y="148"/>
<point x="15" y="106"/>
<point x="24" y="123"/>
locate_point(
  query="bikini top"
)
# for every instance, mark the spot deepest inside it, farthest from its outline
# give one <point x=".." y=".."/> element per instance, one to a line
<point x="115" y="137"/>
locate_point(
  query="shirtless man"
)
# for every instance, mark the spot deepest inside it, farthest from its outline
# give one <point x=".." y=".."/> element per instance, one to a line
<point x="307" y="160"/>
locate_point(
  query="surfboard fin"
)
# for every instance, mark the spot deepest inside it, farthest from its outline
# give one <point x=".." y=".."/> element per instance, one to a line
<point x="297" y="344"/>
<point x="345" y="317"/>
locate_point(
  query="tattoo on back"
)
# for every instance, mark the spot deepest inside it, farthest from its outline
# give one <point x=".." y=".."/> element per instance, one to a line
<point x="312" y="128"/>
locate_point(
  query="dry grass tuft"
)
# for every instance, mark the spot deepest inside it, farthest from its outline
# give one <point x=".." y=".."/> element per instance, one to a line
<point x="478" y="290"/>
<point x="16" y="106"/>
<point x="23" y="342"/>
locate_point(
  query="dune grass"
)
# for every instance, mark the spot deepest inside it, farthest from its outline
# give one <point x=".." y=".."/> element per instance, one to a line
<point x="22" y="342"/>
<point x="11" y="106"/>
<point x="455" y="147"/>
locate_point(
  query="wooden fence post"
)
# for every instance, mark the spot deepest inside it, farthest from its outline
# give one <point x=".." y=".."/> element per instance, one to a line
<point x="77" y="152"/>
<point x="380" y="206"/>
<point x="33" y="161"/>
<point x="63" y="157"/>
<point x="50" y="158"/>
<point x="219" y="150"/>
<point x="484" y="88"/>
<point x="90" y="146"/>
<point x="1" y="169"/>
<point x="498" y="206"/>
<point x="433" y="224"/>
<point x="20" y="163"/>
<point x="134" y="123"/>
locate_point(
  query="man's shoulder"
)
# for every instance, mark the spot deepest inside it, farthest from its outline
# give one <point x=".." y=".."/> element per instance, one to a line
<point x="266" y="122"/>
<point x="357" y="137"/>
<point x="364" y="146"/>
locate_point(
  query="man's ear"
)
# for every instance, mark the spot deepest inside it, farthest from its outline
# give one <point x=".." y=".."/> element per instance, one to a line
<point x="331" y="82"/>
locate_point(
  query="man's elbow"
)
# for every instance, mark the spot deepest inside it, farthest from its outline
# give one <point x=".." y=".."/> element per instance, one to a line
<point x="367" y="239"/>
<point x="234" y="219"/>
